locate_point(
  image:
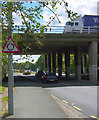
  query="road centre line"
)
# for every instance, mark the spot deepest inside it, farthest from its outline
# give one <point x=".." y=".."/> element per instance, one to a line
<point x="64" y="101"/>
<point x="77" y="108"/>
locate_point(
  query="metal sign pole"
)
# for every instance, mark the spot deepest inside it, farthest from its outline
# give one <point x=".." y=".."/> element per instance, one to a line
<point x="10" y="69"/>
<point x="10" y="84"/>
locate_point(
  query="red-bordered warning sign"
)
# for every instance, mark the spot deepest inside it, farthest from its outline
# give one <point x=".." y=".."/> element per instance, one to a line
<point x="10" y="46"/>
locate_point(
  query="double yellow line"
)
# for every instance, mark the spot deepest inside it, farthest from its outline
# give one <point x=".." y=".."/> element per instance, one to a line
<point x="64" y="101"/>
<point x="72" y="104"/>
<point x="94" y="117"/>
<point x="77" y="108"/>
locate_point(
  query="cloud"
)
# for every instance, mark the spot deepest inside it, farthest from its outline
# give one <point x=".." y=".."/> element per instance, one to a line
<point x="17" y="57"/>
<point x="82" y="7"/>
<point x="17" y="18"/>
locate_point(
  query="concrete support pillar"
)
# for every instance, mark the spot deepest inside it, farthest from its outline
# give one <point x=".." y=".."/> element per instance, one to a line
<point x="93" y="62"/>
<point x="49" y="62"/>
<point x="78" y="63"/>
<point x="84" y="63"/>
<point x="45" y="63"/>
<point x="60" y="64"/>
<point x="98" y="60"/>
<point x="67" y="63"/>
<point x="98" y="68"/>
<point x="54" y="62"/>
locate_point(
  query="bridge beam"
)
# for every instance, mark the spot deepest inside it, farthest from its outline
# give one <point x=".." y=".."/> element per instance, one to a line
<point x="67" y="63"/>
<point x="49" y="62"/>
<point x="77" y="63"/>
<point x="60" y="64"/>
<point x="45" y="63"/>
<point x="54" y="62"/>
<point x="93" y="62"/>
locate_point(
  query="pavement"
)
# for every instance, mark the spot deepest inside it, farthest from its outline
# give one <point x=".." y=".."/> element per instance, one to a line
<point x="35" y="102"/>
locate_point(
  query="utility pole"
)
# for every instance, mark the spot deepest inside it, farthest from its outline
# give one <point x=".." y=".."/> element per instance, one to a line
<point x="10" y="66"/>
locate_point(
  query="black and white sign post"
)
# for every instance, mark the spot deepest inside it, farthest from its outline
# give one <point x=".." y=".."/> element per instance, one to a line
<point x="10" y="48"/>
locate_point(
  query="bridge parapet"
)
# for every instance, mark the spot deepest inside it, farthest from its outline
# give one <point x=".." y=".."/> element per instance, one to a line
<point x="60" y="29"/>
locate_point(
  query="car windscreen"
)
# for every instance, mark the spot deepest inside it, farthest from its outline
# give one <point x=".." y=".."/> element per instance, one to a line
<point x="51" y="76"/>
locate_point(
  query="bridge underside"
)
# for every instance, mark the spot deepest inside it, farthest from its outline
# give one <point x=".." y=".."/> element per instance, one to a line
<point x="78" y="44"/>
<point x="56" y="42"/>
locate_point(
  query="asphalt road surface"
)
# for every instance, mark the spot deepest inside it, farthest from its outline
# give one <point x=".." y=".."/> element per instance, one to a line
<point x="82" y="97"/>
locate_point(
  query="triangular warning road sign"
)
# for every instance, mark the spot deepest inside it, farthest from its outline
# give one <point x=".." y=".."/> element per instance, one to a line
<point x="10" y="46"/>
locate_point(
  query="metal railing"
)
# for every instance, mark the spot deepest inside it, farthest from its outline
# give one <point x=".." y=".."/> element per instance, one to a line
<point x="84" y="29"/>
<point x="48" y="29"/>
<point x="60" y="29"/>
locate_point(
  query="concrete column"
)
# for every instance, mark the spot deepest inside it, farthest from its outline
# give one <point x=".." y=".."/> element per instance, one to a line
<point x="49" y="62"/>
<point x="60" y="64"/>
<point x="84" y="63"/>
<point x="98" y="69"/>
<point x="93" y="62"/>
<point x="54" y="62"/>
<point x="45" y="63"/>
<point x="67" y="63"/>
<point x="78" y="63"/>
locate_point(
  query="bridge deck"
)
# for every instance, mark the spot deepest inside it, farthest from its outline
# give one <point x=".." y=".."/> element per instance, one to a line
<point x="56" y="41"/>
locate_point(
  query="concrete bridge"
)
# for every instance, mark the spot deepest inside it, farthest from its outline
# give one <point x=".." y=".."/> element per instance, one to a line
<point x="79" y="44"/>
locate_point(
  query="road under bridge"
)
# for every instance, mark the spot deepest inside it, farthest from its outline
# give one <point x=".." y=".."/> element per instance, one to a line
<point x="79" y="44"/>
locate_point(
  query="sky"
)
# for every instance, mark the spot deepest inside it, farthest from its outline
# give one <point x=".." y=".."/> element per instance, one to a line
<point x="82" y="7"/>
<point x="24" y="58"/>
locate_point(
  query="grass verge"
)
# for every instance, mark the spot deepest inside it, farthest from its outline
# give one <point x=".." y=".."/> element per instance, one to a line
<point x="1" y="89"/>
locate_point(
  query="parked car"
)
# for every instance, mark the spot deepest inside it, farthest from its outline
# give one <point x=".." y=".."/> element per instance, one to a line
<point x="26" y="72"/>
<point x="40" y="73"/>
<point x="49" y="77"/>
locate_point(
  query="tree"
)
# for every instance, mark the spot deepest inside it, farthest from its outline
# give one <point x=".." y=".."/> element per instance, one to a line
<point x="33" y="14"/>
<point x="40" y="63"/>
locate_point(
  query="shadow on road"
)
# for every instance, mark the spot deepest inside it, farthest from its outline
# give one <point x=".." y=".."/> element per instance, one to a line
<point x="26" y="81"/>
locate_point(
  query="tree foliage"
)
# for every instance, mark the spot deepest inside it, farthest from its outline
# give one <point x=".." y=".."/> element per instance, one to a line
<point x="30" y="16"/>
<point x="40" y="63"/>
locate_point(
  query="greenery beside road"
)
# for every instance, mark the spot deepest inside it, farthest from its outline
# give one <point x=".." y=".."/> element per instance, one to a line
<point x="3" y="101"/>
<point x="31" y="17"/>
<point x="40" y="63"/>
<point x="1" y="89"/>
